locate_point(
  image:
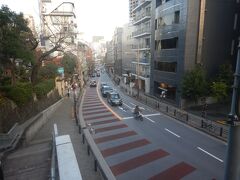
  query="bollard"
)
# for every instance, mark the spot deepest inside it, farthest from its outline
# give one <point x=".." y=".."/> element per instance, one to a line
<point x="187" y="117"/>
<point x="95" y="165"/>
<point x="201" y="123"/>
<point x="221" y="131"/>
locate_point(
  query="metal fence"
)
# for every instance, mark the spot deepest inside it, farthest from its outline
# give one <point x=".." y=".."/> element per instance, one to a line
<point x="208" y="126"/>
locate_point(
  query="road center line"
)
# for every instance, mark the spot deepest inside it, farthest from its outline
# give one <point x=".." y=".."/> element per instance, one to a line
<point x="172" y="133"/>
<point x="148" y="115"/>
<point x="128" y="117"/>
<point x="149" y="119"/>
<point x="210" y="154"/>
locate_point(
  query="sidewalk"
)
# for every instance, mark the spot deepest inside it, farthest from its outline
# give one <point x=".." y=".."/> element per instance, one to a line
<point x="66" y="124"/>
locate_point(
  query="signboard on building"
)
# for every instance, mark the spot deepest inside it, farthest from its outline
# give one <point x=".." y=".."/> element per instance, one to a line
<point x="60" y="70"/>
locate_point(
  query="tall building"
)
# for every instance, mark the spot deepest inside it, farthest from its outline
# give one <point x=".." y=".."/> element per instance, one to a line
<point x="128" y="48"/>
<point x="142" y="34"/>
<point x="132" y="5"/>
<point x="186" y="33"/>
<point x="117" y="47"/>
<point x="31" y="23"/>
<point x="109" y="57"/>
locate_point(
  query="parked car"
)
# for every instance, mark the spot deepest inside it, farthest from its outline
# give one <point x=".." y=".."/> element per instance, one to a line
<point x="93" y="83"/>
<point x="114" y="98"/>
<point x="105" y="90"/>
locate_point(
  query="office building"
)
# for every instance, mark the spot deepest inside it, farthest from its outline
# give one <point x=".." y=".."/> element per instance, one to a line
<point x="142" y="34"/>
<point x="186" y="33"/>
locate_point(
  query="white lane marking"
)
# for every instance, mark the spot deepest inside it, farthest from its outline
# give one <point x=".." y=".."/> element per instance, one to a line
<point x="210" y="154"/>
<point x="149" y="119"/>
<point x="132" y="104"/>
<point x="128" y="106"/>
<point x="152" y="115"/>
<point x="147" y="115"/>
<point x="172" y="133"/>
<point x="121" y="108"/>
<point x="128" y="117"/>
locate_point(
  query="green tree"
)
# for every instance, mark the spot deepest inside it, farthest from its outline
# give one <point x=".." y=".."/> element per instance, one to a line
<point x="194" y="84"/>
<point x="219" y="91"/>
<point x="69" y="63"/>
<point x="225" y="74"/>
<point x="48" y="72"/>
<point x="13" y="40"/>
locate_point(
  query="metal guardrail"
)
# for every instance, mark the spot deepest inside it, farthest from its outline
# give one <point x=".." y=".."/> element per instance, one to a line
<point x="99" y="161"/>
<point x="10" y="139"/>
<point x="86" y="131"/>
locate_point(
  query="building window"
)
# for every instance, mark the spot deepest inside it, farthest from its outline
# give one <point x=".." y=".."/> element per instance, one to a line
<point x="165" y="66"/>
<point x="158" y="3"/>
<point x="176" y="17"/>
<point x="156" y="26"/>
<point x="169" y="43"/>
<point x="169" y="19"/>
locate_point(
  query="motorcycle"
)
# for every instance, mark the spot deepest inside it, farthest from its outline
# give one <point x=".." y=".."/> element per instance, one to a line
<point x="138" y="116"/>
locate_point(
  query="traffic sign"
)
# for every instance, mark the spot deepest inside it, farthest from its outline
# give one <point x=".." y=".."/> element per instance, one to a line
<point x="60" y="70"/>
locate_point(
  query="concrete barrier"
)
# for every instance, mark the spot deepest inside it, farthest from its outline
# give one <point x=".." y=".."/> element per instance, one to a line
<point x="35" y="123"/>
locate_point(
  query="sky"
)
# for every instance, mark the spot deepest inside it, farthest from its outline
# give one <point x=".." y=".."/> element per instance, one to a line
<point x="94" y="17"/>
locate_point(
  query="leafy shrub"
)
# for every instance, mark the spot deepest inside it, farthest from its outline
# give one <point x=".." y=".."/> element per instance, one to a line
<point x="20" y="94"/>
<point x="41" y="89"/>
<point x="219" y="91"/>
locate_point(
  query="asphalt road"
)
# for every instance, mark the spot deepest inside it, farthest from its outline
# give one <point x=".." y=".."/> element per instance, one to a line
<point x="164" y="148"/>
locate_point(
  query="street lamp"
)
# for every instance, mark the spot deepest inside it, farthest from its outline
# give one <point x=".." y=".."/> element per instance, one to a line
<point x="232" y="165"/>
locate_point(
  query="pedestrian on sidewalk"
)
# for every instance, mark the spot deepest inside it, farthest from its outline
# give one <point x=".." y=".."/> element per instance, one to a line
<point x="68" y="93"/>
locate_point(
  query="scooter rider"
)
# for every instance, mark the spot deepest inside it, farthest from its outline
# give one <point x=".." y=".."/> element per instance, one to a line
<point x="137" y="110"/>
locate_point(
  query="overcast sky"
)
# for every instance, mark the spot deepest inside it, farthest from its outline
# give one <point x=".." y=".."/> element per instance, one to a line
<point x="94" y="17"/>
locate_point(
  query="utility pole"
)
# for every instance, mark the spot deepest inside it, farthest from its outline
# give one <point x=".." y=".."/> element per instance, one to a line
<point x="232" y="165"/>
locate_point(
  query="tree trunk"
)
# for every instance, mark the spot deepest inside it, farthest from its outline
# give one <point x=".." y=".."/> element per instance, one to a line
<point x="13" y="75"/>
<point x="34" y="74"/>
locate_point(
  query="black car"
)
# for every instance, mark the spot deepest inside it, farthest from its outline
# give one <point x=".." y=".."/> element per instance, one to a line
<point x="114" y="98"/>
<point x="105" y="90"/>
<point x="93" y="83"/>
